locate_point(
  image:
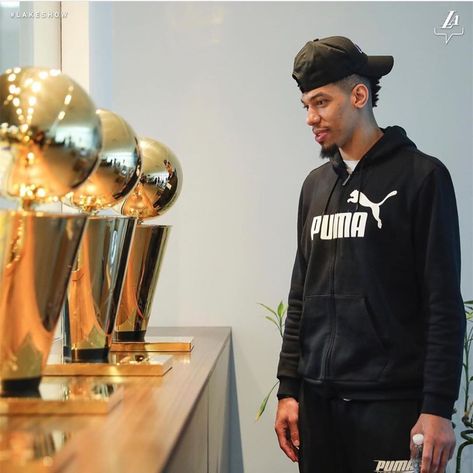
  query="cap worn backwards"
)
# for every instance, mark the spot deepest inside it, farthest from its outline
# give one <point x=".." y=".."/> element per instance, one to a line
<point x="323" y="61"/>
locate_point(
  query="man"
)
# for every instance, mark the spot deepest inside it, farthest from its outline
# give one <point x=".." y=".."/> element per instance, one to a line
<point x="169" y="188"/>
<point x="372" y="346"/>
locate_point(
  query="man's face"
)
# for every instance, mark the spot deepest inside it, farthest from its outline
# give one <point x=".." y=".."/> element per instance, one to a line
<point x="332" y="117"/>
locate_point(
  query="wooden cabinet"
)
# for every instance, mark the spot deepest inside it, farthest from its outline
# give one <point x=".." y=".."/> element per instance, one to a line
<point x="204" y="444"/>
<point x="177" y="423"/>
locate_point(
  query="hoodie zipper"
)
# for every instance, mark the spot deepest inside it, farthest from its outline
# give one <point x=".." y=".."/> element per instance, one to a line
<point x="333" y="318"/>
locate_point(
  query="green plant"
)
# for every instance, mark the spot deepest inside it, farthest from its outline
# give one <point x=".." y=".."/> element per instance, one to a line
<point x="467" y="418"/>
<point x="277" y="318"/>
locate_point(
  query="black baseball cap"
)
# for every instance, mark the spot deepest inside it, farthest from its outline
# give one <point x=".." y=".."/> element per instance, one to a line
<point x="323" y="61"/>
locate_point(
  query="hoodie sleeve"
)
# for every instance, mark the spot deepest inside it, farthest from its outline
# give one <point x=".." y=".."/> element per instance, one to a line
<point x="437" y="244"/>
<point x="289" y="356"/>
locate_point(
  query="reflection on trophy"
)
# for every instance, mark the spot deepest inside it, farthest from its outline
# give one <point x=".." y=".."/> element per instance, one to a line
<point x="97" y="278"/>
<point x="160" y="182"/>
<point x="119" y="167"/>
<point x="95" y="288"/>
<point x="37" y="252"/>
<point x="158" y="189"/>
<point x="147" y="251"/>
<point x="50" y="135"/>
<point x="49" y="142"/>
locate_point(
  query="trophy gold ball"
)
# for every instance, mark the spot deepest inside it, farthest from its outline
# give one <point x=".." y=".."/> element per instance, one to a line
<point x="160" y="182"/>
<point x="50" y="135"/>
<point x="118" y="171"/>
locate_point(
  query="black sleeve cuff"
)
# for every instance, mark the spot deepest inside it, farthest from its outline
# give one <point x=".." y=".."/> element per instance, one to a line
<point x="289" y="387"/>
<point x="437" y="405"/>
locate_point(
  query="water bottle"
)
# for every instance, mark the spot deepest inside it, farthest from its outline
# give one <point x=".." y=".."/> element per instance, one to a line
<point x="418" y="441"/>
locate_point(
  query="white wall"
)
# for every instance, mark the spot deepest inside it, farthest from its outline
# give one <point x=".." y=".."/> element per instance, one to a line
<point x="9" y="36"/>
<point x="40" y="37"/>
<point x="213" y="82"/>
<point x="29" y="42"/>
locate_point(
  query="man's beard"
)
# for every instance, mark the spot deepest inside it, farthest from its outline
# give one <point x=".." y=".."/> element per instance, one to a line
<point x="328" y="152"/>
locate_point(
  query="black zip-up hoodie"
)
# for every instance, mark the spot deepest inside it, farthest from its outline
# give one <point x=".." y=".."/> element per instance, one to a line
<point x="375" y="310"/>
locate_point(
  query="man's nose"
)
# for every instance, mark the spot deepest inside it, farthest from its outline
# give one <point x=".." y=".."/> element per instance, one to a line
<point x="312" y="117"/>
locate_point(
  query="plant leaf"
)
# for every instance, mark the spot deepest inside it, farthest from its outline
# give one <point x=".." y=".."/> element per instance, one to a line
<point x="280" y="309"/>
<point x="268" y="308"/>
<point x="273" y="321"/>
<point x="262" y="406"/>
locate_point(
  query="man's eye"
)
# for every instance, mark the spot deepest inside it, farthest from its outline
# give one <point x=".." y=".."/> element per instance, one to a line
<point x="322" y="102"/>
<point x="305" y="107"/>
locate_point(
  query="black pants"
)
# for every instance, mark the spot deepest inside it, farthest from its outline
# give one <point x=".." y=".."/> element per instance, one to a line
<point x="349" y="436"/>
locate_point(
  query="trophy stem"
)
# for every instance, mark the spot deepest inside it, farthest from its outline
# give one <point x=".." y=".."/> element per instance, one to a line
<point x="28" y="387"/>
<point x="137" y="336"/>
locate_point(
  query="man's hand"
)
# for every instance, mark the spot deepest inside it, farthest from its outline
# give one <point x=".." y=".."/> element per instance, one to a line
<point x="439" y="442"/>
<point x="286" y="427"/>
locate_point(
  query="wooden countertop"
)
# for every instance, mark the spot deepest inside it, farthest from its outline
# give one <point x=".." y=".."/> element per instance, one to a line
<point x="141" y="433"/>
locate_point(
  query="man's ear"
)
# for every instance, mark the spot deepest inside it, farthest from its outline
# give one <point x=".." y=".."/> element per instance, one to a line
<point x="360" y="95"/>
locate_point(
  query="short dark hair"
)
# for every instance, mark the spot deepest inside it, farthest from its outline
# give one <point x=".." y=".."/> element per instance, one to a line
<point x="347" y="84"/>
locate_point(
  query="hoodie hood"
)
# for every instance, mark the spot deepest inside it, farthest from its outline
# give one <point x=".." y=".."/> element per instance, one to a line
<point x="394" y="137"/>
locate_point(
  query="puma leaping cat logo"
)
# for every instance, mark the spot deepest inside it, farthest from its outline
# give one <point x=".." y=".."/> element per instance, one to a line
<point x="357" y="196"/>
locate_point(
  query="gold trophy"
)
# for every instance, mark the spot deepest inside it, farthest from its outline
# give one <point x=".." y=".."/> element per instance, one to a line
<point x="158" y="189"/>
<point x="50" y="136"/>
<point x="98" y="274"/>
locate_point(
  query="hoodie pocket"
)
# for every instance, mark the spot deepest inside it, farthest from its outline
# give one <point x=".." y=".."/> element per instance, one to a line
<point x="314" y="335"/>
<point x="357" y="352"/>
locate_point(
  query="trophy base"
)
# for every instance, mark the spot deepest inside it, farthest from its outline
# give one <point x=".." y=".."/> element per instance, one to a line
<point x="117" y="365"/>
<point x="64" y="397"/>
<point x="22" y="387"/>
<point x="134" y="336"/>
<point x="151" y="344"/>
<point x="88" y="355"/>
